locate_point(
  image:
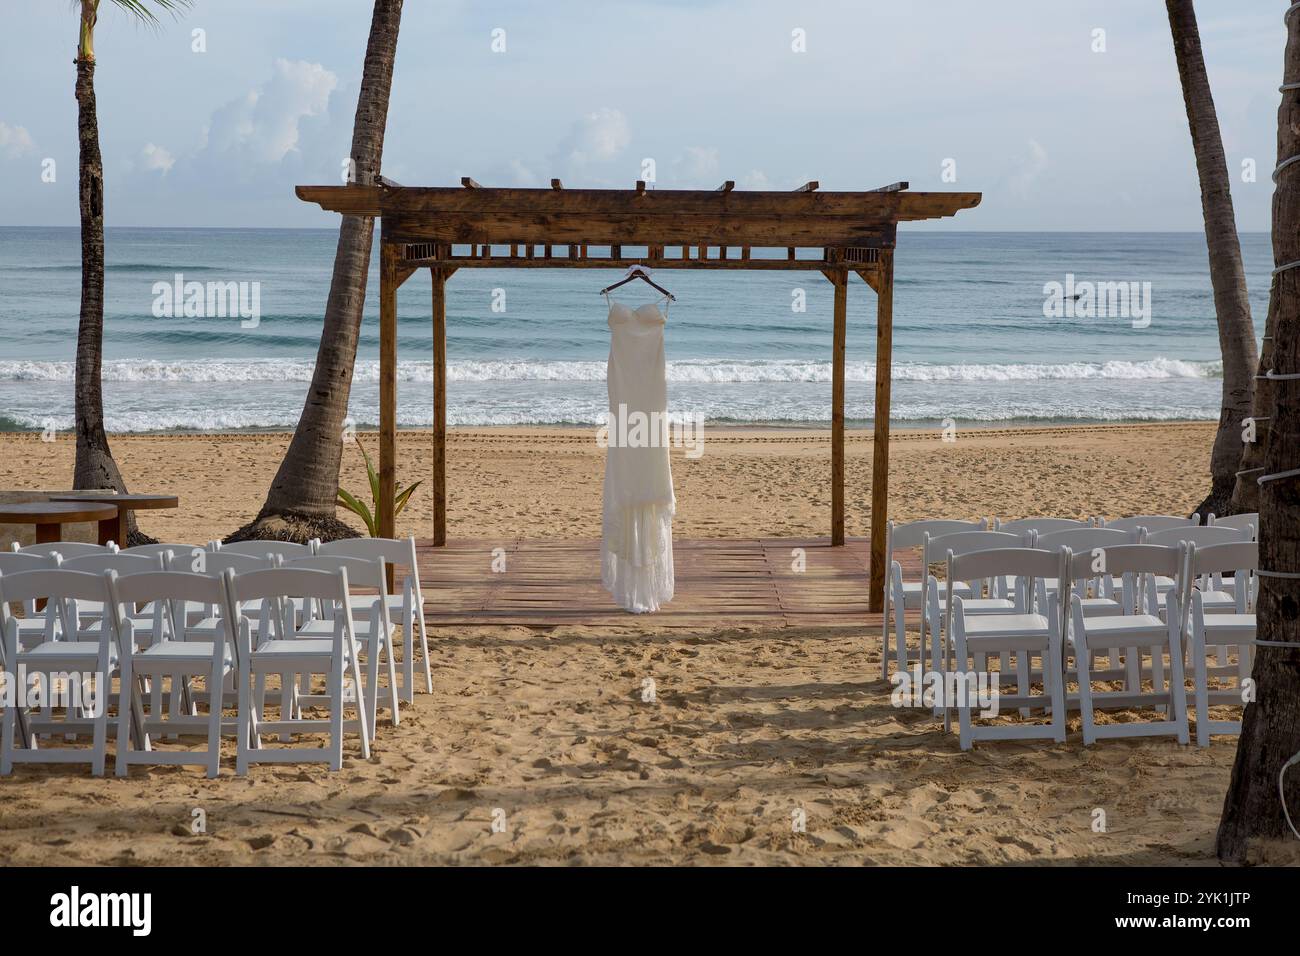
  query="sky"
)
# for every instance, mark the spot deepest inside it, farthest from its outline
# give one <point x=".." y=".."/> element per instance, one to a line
<point x="1066" y="115"/>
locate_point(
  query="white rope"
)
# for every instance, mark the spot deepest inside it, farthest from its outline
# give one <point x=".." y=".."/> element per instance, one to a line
<point x="1279" y="476"/>
<point x="1279" y="574"/>
<point x="1289" y="10"/>
<point x="1281" y="776"/>
<point x="1289" y="265"/>
<point x="1273" y="376"/>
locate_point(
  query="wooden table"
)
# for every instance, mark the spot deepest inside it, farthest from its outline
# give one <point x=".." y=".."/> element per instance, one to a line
<point x="50" y="516"/>
<point x="114" y="528"/>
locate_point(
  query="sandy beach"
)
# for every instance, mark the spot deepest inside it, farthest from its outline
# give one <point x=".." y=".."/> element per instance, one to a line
<point x="546" y="732"/>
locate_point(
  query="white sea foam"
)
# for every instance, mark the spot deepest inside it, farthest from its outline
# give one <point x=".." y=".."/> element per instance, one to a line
<point x="693" y="371"/>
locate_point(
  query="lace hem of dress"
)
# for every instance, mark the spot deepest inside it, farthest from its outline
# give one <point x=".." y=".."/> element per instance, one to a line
<point x="637" y="557"/>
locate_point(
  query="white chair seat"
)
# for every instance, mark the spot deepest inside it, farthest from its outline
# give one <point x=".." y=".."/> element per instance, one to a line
<point x="981" y="606"/>
<point x="361" y="627"/>
<point x="1220" y="627"/>
<point x="1218" y="602"/>
<point x="1007" y="631"/>
<point x="1122" y="630"/>
<point x="1101" y="607"/>
<point x="313" y="648"/>
<point x="181" y="652"/>
<point x="79" y="651"/>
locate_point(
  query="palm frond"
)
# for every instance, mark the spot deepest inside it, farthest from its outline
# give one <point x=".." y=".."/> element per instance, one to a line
<point x="143" y="9"/>
<point x="359" y="509"/>
<point x="400" y="501"/>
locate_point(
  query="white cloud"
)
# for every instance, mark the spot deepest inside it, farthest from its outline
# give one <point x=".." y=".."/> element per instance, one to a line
<point x="1026" y="170"/>
<point x="756" y="179"/>
<point x="263" y="126"/>
<point x="598" y="137"/>
<point x="697" y="166"/>
<point x="15" y="141"/>
<point x="156" y="158"/>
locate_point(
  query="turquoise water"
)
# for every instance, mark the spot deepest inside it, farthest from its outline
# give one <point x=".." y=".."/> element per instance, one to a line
<point x="971" y="340"/>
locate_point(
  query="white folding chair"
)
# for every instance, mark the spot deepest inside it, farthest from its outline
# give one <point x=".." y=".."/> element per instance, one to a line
<point x="935" y="551"/>
<point x="1134" y="631"/>
<point x="1220" y="631"/>
<point x="408" y="606"/>
<point x="374" y="629"/>
<point x="78" y="672"/>
<point x="158" y="549"/>
<point x="900" y="595"/>
<point x="278" y="652"/>
<point x="176" y="659"/>
<point x="1027" y="634"/>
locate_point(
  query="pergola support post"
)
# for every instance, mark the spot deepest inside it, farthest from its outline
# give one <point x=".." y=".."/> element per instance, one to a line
<point x="439" y="406"/>
<point x="880" y="429"/>
<point x="841" y="281"/>
<point x="389" y="280"/>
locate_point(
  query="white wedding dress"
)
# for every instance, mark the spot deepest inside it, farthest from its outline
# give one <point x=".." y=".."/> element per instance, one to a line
<point x="637" y="526"/>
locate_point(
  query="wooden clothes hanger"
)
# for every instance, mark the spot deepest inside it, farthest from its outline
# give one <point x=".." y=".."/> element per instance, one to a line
<point x="638" y="271"/>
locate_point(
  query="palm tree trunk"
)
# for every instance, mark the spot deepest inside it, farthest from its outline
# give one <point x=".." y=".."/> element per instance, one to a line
<point x="302" y="500"/>
<point x="94" y="467"/>
<point x="1228" y="278"/>
<point x="1270" y="732"/>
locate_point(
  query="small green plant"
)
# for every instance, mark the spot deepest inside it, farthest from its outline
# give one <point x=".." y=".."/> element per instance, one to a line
<point x="358" y="507"/>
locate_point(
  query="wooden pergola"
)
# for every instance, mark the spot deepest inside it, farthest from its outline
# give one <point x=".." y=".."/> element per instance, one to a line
<point x="443" y="229"/>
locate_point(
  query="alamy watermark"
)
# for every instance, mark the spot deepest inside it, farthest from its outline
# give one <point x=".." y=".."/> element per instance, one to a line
<point x="72" y="690"/>
<point x="208" y="300"/>
<point x="930" y="689"/>
<point x="1092" y="300"/>
<point x="635" y="429"/>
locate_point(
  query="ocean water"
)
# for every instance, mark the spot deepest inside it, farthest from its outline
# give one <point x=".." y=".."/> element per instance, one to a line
<point x="971" y="341"/>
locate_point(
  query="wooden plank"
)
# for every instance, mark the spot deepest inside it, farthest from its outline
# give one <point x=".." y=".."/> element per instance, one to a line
<point x="891" y="188"/>
<point x="808" y="187"/>
<point x="469" y="183"/>
<point x="439" y="303"/>
<point x="839" y="336"/>
<point x="727" y="186"/>
<point x="388" y="283"/>
<point x="877" y="207"/>
<point x="556" y="184"/>
<point x="880" y="431"/>
<point x="509" y="262"/>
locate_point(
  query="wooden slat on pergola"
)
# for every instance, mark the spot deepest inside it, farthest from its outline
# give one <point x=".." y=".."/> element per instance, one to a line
<point x="443" y="229"/>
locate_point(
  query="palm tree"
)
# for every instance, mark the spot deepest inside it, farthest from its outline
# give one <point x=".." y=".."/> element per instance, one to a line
<point x="1228" y="278"/>
<point x="302" y="500"/>
<point x="1270" y="731"/>
<point x="95" y="467"/>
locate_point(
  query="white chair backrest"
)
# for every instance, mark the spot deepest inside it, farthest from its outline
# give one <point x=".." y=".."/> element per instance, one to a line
<point x="1041" y="525"/>
<point x="1243" y="521"/>
<point x="1028" y="563"/>
<point x="68" y="549"/>
<point x="12" y="562"/>
<point x="274" y="583"/>
<point x="912" y="534"/>
<point x="1152" y="522"/>
<point x="123" y="564"/>
<point x="150" y="550"/>
<point x="963" y="542"/>
<point x="53" y="584"/>
<point x="1219" y="558"/>
<point x="394" y="551"/>
<point x="1201" y="537"/>
<point x="1121" y="559"/>
<point x="1079" y="539"/>
<point x="286" y="550"/>
<point x="362" y="572"/>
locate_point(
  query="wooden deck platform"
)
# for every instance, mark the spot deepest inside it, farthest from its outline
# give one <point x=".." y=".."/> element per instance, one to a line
<point x="720" y="583"/>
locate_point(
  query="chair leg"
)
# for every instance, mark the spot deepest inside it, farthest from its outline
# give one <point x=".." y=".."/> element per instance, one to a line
<point x="1178" y="690"/>
<point x="964" y="730"/>
<point x="1054" y="686"/>
<point x="1084" y="661"/>
<point x="392" y="683"/>
<point x="7" y="738"/>
<point x="372" y="683"/>
<point x="215" y="701"/>
<point x="1022" y="677"/>
<point x="242" y="738"/>
<point x="336" y="712"/>
<point x="125" y="703"/>
<point x="1202" y="690"/>
<point x="362" y="714"/>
